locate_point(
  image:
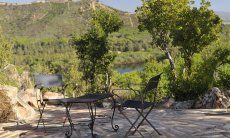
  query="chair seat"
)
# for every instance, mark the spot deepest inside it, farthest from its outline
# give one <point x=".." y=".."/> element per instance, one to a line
<point x="136" y="104"/>
<point x="98" y="96"/>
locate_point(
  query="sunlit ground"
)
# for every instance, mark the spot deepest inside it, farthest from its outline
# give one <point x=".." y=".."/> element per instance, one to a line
<point x="171" y="123"/>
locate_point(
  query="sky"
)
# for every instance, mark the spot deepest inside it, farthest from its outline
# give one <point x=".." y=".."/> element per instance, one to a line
<point x="130" y="5"/>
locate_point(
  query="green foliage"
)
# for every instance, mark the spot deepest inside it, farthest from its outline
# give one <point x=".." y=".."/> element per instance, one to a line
<point x="153" y="68"/>
<point x="206" y="72"/>
<point x="5" y="80"/>
<point x="5" y="51"/>
<point x="224" y="77"/>
<point x="129" y="39"/>
<point x="138" y="80"/>
<point x="92" y="47"/>
<point x="125" y="81"/>
<point x="109" y="21"/>
<point x="159" y="17"/>
<point x="138" y="57"/>
<point x="48" y="56"/>
<point x="196" y="29"/>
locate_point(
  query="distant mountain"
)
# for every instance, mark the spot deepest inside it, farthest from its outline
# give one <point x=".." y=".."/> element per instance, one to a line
<point x="51" y="19"/>
<point x="57" y="18"/>
<point x="225" y="16"/>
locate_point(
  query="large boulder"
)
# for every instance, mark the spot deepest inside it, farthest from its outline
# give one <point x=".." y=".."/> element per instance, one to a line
<point x="214" y="98"/>
<point x="19" y="109"/>
<point x="29" y="96"/>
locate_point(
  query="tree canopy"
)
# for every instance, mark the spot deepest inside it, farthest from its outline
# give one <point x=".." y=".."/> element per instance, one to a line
<point x="196" y="28"/>
<point x="92" y="47"/>
<point x="159" y="18"/>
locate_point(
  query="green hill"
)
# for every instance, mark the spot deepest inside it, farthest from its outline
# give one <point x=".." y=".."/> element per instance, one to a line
<point x="47" y="20"/>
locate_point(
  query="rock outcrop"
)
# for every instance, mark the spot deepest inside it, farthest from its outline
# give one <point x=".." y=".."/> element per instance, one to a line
<point x="18" y="107"/>
<point x="214" y="99"/>
<point x="29" y="97"/>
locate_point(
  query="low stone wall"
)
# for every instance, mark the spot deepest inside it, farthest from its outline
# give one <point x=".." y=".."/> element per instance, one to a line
<point x="213" y="99"/>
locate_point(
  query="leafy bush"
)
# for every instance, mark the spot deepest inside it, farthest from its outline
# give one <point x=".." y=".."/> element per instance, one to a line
<point x="125" y="81"/>
<point x="205" y="67"/>
<point x="5" y="80"/>
<point x="152" y="69"/>
<point x="5" y="51"/>
<point x="223" y="80"/>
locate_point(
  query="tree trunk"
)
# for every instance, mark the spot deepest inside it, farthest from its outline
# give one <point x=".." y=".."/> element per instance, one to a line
<point x="171" y="61"/>
<point x="188" y="65"/>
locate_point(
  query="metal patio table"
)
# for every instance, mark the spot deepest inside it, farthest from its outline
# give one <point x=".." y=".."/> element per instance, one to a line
<point x="90" y="100"/>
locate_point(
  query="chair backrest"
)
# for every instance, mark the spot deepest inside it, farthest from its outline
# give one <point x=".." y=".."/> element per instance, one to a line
<point x="47" y="81"/>
<point x="153" y="83"/>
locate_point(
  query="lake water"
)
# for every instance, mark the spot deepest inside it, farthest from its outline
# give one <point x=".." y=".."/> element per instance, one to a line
<point x="129" y="68"/>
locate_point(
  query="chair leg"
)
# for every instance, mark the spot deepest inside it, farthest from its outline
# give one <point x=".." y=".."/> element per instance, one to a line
<point x="115" y="127"/>
<point x="145" y="119"/>
<point x="142" y="119"/>
<point x="41" y="115"/>
<point x="133" y="125"/>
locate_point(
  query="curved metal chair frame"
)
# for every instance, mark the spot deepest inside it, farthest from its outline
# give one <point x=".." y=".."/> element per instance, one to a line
<point x="47" y="81"/>
<point x="139" y="105"/>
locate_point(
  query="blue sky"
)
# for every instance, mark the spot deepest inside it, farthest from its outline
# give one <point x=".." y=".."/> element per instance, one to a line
<point x="130" y="5"/>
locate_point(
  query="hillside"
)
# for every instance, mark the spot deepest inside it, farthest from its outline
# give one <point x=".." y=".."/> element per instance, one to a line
<point x="47" y="20"/>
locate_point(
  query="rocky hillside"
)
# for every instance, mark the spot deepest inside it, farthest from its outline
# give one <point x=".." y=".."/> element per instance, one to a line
<point x="42" y="20"/>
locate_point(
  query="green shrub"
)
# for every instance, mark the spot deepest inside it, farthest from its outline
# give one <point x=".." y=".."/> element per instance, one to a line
<point x="153" y="68"/>
<point x="223" y="80"/>
<point x="125" y="81"/>
<point x="203" y="71"/>
<point x="5" y="51"/>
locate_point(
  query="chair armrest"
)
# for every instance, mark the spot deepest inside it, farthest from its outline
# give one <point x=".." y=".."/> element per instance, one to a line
<point x="126" y="89"/>
<point x="137" y="92"/>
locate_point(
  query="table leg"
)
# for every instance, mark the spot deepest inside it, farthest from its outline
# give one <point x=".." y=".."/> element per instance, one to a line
<point x="66" y="116"/>
<point x="71" y="125"/>
<point x="92" y="116"/>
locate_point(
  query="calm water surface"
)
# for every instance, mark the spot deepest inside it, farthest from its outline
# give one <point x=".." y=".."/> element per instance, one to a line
<point x="129" y="68"/>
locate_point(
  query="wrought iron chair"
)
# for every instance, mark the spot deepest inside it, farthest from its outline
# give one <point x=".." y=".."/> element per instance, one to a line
<point x="47" y="81"/>
<point x="139" y="105"/>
